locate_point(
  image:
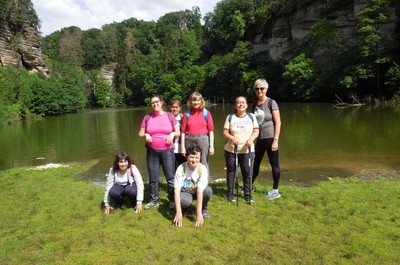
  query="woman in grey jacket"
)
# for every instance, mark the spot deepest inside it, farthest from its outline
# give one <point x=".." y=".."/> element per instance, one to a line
<point x="124" y="179"/>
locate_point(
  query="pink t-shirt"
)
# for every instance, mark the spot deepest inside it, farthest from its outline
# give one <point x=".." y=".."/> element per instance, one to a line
<point x="197" y="124"/>
<point x="159" y="127"/>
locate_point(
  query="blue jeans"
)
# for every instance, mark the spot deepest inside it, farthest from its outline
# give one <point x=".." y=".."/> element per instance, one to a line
<point x="156" y="159"/>
<point x="245" y="162"/>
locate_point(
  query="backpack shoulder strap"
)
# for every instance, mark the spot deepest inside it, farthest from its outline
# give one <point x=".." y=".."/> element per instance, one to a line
<point x="205" y="114"/>
<point x="230" y="117"/>
<point x="250" y="116"/>
<point x="171" y="119"/>
<point x="270" y="104"/>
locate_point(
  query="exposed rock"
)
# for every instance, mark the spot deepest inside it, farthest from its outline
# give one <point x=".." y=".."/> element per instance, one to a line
<point x="108" y="71"/>
<point x="22" y="49"/>
<point x="297" y="25"/>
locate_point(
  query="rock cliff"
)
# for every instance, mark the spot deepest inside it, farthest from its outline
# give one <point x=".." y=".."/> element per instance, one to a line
<point x="297" y="24"/>
<point x="22" y="49"/>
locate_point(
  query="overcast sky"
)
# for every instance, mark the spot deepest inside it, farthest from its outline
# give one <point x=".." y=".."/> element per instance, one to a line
<point x="85" y="14"/>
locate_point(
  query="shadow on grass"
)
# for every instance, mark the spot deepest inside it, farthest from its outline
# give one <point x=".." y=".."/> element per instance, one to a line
<point x="219" y="190"/>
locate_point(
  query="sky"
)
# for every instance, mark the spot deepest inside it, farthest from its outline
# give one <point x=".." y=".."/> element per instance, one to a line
<point x="85" y="14"/>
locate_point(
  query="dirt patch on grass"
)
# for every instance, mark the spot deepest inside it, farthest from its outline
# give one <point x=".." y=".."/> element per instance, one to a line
<point x="378" y="173"/>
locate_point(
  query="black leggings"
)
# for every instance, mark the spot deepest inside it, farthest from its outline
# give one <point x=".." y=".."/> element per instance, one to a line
<point x="262" y="146"/>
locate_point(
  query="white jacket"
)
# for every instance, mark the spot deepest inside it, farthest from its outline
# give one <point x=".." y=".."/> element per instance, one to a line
<point x="113" y="178"/>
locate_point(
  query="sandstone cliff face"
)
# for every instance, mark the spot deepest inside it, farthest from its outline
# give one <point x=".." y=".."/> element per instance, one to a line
<point x="22" y="49"/>
<point x="298" y="25"/>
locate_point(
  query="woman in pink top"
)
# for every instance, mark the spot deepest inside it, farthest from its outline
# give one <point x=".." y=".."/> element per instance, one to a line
<point x="198" y="127"/>
<point x="159" y="129"/>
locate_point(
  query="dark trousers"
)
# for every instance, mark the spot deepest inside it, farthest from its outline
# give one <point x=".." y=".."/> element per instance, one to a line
<point x="262" y="146"/>
<point x="155" y="160"/>
<point x="245" y="162"/>
<point x="117" y="192"/>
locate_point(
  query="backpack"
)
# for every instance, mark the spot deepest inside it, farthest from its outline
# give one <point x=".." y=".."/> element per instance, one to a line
<point x="248" y="114"/>
<point x="269" y="105"/>
<point x="192" y="187"/>
<point x="130" y="171"/>
<point x="205" y="114"/>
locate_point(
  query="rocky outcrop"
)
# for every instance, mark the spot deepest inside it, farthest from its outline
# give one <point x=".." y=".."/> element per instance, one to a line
<point x="297" y="24"/>
<point x="22" y="49"/>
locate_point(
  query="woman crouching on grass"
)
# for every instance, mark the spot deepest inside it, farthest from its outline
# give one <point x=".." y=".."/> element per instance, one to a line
<point x="124" y="179"/>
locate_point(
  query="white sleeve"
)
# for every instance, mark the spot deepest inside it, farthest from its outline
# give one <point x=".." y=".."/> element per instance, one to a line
<point x="226" y="124"/>
<point x="109" y="184"/>
<point x="179" y="176"/>
<point x="203" y="182"/>
<point x="139" y="184"/>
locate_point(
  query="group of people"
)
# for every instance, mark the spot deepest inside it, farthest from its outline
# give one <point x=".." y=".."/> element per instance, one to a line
<point x="180" y="143"/>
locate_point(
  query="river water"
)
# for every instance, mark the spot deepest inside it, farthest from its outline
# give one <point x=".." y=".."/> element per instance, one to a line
<point x="317" y="142"/>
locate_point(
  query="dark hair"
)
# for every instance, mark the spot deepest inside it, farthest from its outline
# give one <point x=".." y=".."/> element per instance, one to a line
<point x="121" y="156"/>
<point x="192" y="150"/>
<point x="175" y="100"/>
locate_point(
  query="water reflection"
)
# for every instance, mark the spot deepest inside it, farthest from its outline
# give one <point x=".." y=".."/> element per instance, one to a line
<point x="317" y="141"/>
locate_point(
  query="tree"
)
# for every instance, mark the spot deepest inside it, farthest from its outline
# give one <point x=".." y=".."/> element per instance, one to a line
<point x="300" y="74"/>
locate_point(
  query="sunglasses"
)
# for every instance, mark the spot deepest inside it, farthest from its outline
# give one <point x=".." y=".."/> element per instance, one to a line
<point x="155" y="102"/>
<point x="259" y="88"/>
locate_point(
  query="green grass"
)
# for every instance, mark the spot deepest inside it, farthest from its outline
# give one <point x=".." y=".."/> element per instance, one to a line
<point x="52" y="217"/>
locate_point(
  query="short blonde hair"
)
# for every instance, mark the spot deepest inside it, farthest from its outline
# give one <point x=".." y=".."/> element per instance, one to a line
<point x="194" y="96"/>
<point x="260" y="81"/>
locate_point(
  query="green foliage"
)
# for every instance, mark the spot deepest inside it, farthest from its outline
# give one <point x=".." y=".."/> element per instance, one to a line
<point x="10" y="113"/>
<point x="99" y="90"/>
<point x="312" y="225"/>
<point x="19" y="14"/>
<point x="177" y="55"/>
<point x="300" y="73"/>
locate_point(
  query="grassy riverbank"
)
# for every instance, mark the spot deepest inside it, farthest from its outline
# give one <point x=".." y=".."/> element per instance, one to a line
<point x="52" y="217"/>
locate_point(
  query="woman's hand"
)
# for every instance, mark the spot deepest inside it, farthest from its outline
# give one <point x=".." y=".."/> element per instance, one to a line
<point x="107" y="210"/>
<point x="170" y="138"/>
<point x="149" y="140"/>
<point x="274" y="146"/>
<point x="211" y="150"/>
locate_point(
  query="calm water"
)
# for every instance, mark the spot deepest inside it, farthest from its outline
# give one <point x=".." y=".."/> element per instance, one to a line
<point x="316" y="142"/>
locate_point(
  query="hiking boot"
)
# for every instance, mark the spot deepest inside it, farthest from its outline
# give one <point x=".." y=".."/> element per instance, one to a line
<point x="273" y="194"/>
<point x="231" y="199"/>
<point x="204" y="212"/>
<point x="249" y="199"/>
<point x="171" y="205"/>
<point x="151" y="205"/>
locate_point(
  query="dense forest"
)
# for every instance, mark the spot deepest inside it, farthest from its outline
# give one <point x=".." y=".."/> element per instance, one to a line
<point x="178" y="54"/>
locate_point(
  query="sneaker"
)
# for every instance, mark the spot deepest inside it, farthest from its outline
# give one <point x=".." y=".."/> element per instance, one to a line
<point x="205" y="214"/>
<point x="151" y="205"/>
<point x="231" y="199"/>
<point x="273" y="194"/>
<point x="171" y="205"/>
<point x="249" y="199"/>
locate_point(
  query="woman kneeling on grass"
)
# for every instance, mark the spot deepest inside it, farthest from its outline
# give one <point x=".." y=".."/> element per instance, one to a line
<point x="124" y="179"/>
<point x="191" y="183"/>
